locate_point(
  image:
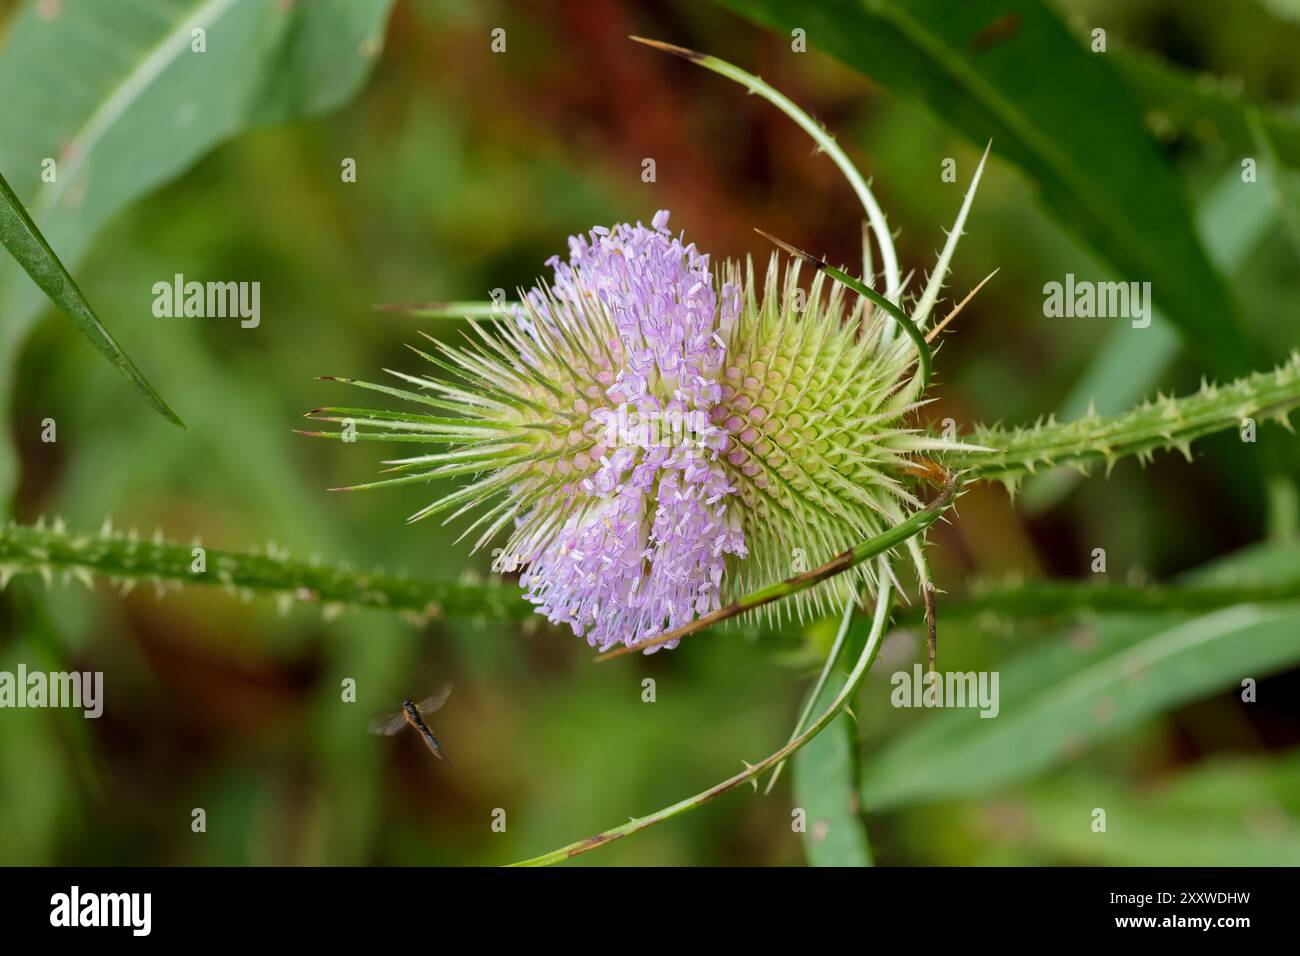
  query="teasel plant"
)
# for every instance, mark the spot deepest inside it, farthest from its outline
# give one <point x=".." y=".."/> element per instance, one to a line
<point x="793" y="419"/>
<point x="649" y="435"/>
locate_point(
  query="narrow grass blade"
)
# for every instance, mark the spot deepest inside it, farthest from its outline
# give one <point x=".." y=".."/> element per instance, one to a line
<point x="26" y="244"/>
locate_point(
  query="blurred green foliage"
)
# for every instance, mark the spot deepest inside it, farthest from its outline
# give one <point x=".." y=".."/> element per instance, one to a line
<point x="473" y="167"/>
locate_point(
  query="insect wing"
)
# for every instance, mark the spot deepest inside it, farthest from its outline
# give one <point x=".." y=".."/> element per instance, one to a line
<point x="434" y="703"/>
<point x="386" y="722"/>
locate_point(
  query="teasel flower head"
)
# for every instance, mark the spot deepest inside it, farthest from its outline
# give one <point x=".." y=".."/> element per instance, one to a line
<point x="654" y="436"/>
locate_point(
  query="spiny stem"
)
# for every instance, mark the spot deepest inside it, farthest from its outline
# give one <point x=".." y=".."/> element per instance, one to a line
<point x="1054" y="598"/>
<point x="908" y="326"/>
<point x="864" y="662"/>
<point x="824" y="141"/>
<point x="913" y="525"/>
<point x="127" y="560"/>
<point x="1164" y="423"/>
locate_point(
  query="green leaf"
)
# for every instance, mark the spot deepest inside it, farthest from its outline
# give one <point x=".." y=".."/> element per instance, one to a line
<point x="1011" y="72"/>
<point x="1229" y="811"/>
<point x="142" y="107"/>
<point x="29" y="248"/>
<point x="824" y="788"/>
<point x="1059" y="699"/>
<point x="1232" y="220"/>
<point x="1283" y="180"/>
<point x="1089" y="685"/>
<point x="1176" y="99"/>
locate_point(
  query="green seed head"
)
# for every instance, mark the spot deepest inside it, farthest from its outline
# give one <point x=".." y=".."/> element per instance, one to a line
<point x="818" y="401"/>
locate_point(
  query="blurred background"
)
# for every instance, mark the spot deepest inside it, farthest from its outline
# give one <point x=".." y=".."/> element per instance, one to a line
<point x="472" y="168"/>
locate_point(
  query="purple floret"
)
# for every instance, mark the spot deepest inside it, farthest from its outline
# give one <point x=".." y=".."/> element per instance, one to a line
<point x="645" y="552"/>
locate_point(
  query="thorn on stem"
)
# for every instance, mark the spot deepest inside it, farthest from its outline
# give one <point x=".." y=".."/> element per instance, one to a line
<point x="960" y="305"/>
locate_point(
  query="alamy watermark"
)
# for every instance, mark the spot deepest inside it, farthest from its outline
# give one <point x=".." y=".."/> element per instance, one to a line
<point x="209" y="300"/>
<point x="1084" y="299"/>
<point x="974" y="689"/>
<point x="68" y="689"/>
<point x="129" y="910"/>
<point x="628" y="427"/>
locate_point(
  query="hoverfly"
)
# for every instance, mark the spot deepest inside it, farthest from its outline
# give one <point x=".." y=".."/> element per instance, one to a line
<point x="390" y="720"/>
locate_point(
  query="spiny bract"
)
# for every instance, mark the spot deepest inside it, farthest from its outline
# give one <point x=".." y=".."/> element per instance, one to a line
<point x="659" y="439"/>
